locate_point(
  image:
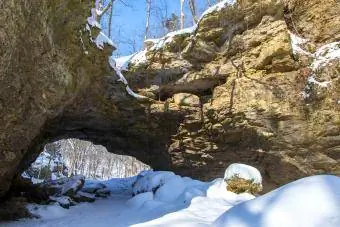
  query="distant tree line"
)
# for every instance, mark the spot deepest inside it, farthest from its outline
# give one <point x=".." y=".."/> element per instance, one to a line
<point x="73" y="157"/>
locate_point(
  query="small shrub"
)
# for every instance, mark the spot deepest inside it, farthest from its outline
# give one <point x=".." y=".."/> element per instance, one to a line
<point x="239" y="185"/>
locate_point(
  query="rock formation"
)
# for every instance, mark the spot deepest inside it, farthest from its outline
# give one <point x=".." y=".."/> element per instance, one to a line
<point x="238" y="76"/>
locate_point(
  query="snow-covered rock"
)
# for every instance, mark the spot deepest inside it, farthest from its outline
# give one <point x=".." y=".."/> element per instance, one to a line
<point x="92" y="186"/>
<point x="151" y="181"/>
<point x="171" y="189"/>
<point x="83" y="197"/>
<point x="189" y="194"/>
<point x="63" y="201"/>
<point x="138" y="200"/>
<point x="309" y="202"/>
<point x="168" y="187"/>
<point x="243" y="171"/>
<point x="72" y="185"/>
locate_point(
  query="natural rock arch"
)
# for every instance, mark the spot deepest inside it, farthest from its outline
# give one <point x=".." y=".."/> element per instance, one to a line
<point x="51" y="89"/>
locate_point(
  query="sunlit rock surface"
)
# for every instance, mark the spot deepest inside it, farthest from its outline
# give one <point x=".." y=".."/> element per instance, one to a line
<point x="239" y="62"/>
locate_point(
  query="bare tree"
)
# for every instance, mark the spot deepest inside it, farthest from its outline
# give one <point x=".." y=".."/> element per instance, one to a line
<point x="159" y="15"/>
<point x="192" y="5"/>
<point x="182" y="14"/>
<point x="110" y="20"/>
<point x="148" y="12"/>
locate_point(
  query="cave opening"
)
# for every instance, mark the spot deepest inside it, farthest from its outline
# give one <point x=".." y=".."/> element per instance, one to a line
<point x="71" y="157"/>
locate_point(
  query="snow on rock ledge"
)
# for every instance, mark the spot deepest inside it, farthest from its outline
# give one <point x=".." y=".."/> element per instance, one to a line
<point x="308" y="202"/>
<point x="122" y="63"/>
<point x="156" y="44"/>
<point x="218" y="7"/>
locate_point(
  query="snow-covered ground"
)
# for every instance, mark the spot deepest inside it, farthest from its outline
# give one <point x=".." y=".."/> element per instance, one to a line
<point x="308" y="202"/>
<point x="164" y="199"/>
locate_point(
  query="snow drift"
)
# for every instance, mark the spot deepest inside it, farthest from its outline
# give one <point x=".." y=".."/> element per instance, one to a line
<point x="308" y="202"/>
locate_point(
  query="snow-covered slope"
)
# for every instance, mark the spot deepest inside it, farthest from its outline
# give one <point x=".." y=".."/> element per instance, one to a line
<point x="309" y="202"/>
<point x="165" y="199"/>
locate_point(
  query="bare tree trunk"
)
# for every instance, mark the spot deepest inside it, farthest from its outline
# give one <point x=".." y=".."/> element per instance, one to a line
<point x="182" y="14"/>
<point x="209" y="3"/>
<point x="110" y="20"/>
<point x="192" y="5"/>
<point x="148" y="11"/>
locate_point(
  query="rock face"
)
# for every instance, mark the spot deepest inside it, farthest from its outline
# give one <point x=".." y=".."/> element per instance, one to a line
<point x="238" y="68"/>
<point x="241" y="64"/>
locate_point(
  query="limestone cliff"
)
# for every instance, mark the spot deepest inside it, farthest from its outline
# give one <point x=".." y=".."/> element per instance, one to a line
<point x="229" y="92"/>
<point x="258" y="100"/>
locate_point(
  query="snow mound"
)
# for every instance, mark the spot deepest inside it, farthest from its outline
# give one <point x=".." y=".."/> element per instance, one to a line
<point x="138" y="200"/>
<point x="120" y="185"/>
<point x="309" y="202"/>
<point x="243" y="171"/>
<point x="168" y="187"/>
<point x="218" y="190"/>
<point x="151" y="181"/>
<point x="171" y="189"/>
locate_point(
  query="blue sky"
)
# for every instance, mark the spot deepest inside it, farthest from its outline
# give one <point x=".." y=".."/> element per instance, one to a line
<point x="128" y="22"/>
